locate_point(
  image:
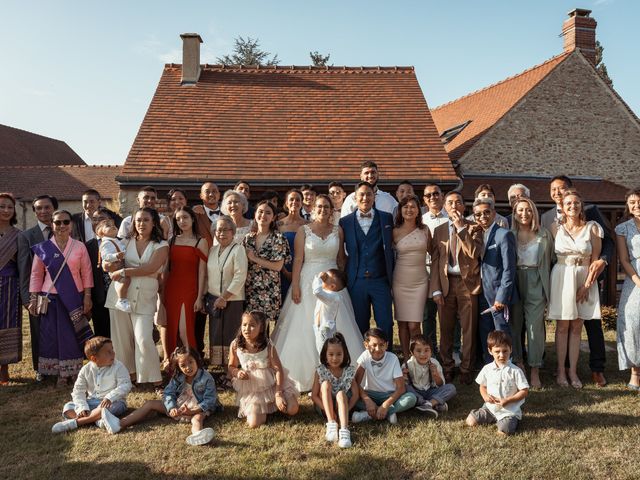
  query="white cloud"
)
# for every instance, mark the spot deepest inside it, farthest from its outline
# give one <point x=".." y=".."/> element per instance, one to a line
<point x="601" y="3"/>
<point x="172" y="56"/>
<point x="35" y="92"/>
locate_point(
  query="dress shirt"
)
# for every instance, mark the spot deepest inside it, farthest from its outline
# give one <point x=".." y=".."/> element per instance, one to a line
<point x="365" y="222"/>
<point x="45" y="229"/>
<point x="212" y="214"/>
<point x="485" y="236"/>
<point x="502" y="382"/>
<point x="93" y="382"/>
<point x="304" y="214"/>
<point x="383" y="201"/>
<point x="454" y="269"/>
<point x="88" y="228"/>
<point x="434" y="220"/>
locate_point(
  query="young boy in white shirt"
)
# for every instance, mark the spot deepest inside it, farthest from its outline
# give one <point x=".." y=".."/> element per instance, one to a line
<point x="379" y="376"/>
<point x="503" y="387"/>
<point x="112" y="251"/>
<point x="326" y="287"/>
<point x="103" y="382"/>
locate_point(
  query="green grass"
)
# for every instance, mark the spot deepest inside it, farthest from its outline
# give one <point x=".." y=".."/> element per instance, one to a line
<point x="592" y="433"/>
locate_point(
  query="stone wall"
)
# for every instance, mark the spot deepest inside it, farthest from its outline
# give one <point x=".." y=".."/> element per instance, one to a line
<point x="571" y="123"/>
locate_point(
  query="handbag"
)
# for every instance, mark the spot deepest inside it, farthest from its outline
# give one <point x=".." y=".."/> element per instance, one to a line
<point x="43" y="300"/>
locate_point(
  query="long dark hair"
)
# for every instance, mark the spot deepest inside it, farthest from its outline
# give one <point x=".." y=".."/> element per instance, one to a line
<point x="192" y="352"/>
<point x="263" y="339"/>
<point x="273" y="226"/>
<point x="11" y="198"/>
<point x="194" y="220"/>
<point x="399" y="220"/>
<point x="635" y="192"/>
<point x="156" y="232"/>
<point x="337" y="339"/>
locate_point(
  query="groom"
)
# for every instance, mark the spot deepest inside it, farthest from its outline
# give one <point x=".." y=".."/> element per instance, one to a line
<point x="368" y="238"/>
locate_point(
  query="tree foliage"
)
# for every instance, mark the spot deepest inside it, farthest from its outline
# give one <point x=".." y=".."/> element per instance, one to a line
<point x="600" y="66"/>
<point x="248" y="52"/>
<point x="318" y="59"/>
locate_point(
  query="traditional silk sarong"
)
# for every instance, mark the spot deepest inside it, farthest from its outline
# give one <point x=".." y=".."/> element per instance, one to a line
<point x="10" y="314"/>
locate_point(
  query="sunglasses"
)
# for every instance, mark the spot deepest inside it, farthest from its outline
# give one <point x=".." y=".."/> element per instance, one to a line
<point x="484" y="213"/>
<point x="57" y="223"/>
<point x="429" y="195"/>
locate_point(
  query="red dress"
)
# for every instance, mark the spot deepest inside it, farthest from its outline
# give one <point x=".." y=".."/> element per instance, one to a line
<point x="181" y="288"/>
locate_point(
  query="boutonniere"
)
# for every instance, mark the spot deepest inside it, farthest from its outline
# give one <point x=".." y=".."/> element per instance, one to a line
<point x="56" y="255"/>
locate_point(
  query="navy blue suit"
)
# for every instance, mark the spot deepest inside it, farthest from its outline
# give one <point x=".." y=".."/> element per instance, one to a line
<point x="498" y="272"/>
<point x="370" y="269"/>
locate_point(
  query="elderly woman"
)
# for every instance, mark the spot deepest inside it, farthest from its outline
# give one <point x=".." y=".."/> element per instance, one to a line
<point x="226" y="277"/>
<point x="61" y="274"/>
<point x="628" y="325"/>
<point x="534" y="257"/>
<point x="288" y="226"/>
<point x="10" y="313"/>
<point x="574" y="292"/>
<point x="132" y="333"/>
<point x="267" y="252"/>
<point x="235" y="205"/>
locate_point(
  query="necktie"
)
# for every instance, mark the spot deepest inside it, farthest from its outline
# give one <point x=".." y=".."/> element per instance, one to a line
<point x="453" y="248"/>
<point x="47" y="233"/>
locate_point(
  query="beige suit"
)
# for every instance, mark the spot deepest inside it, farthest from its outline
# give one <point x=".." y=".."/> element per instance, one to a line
<point x="459" y="291"/>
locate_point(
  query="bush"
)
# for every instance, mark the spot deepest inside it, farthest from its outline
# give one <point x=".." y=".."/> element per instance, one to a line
<point x="609" y="317"/>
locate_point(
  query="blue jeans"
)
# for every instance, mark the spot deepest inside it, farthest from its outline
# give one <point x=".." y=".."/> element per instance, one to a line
<point x="118" y="408"/>
<point x="441" y="394"/>
<point x="406" y="401"/>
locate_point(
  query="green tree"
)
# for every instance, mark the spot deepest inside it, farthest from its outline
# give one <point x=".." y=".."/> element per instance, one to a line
<point x="248" y="52"/>
<point x="318" y="59"/>
<point x="600" y="66"/>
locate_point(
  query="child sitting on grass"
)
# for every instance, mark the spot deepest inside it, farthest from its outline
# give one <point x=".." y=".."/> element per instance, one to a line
<point x="334" y="385"/>
<point x="102" y="384"/>
<point x="190" y="397"/>
<point x="426" y="380"/>
<point x="503" y="387"/>
<point x="382" y="387"/>
<point x="112" y="251"/>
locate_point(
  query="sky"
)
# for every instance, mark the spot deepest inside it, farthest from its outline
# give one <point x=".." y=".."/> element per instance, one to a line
<point x="85" y="71"/>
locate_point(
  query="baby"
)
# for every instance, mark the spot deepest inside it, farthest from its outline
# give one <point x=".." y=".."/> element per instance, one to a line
<point x="326" y="286"/>
<point x="112" y="250"/>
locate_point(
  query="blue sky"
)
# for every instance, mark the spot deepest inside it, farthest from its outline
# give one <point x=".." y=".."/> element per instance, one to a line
<point x="85" y="71"/>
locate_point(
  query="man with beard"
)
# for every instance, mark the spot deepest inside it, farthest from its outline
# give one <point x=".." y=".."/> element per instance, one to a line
<point x="383" y="201"/>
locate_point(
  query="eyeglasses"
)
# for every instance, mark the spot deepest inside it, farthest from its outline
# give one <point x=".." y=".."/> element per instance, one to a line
<point x="57" y="223"/>
<point x="334" y="193"/>
<point x="484" y="213"/>
<point x="434" y="194"/>
<point x="222" y="230"/>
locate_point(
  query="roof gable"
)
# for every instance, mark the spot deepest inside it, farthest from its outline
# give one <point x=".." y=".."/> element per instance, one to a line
<point x="287" y="124"/>
<point x="22" y="148"/>
<point x="483" y="108"/>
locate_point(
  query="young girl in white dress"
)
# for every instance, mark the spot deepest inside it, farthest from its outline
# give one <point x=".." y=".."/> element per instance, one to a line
<point x="318" y="248"/>
<point x="261" y="383"/>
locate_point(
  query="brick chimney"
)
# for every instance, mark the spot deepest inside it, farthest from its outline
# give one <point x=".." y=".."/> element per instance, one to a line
<point x="579" y="31"/>
<point x="190" y="58"/>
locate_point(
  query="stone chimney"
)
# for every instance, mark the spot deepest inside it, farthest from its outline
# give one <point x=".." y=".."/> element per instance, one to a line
<point x="190" y="58"/>
<point x="579" y="31"/>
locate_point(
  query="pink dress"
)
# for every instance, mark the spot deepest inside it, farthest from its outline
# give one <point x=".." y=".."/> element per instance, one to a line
<point x="257" y="394"/>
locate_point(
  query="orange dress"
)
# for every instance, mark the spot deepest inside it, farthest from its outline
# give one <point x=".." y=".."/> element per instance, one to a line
<point x="181" y="288"/>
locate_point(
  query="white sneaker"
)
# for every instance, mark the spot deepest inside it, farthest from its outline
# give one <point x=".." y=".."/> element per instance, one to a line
<point x="359" y="417"/>
<point x="442" y="407"/>
<point x="123" y="305"/>
<point x="331" y="434"/>
<point x="202" y="437"/>
<point x="393" y="418"/>
<point x="344" y="440"/>
<point x="428" y="409"/>
<point x="110" y="422"/>
<point x="64" y="426"/>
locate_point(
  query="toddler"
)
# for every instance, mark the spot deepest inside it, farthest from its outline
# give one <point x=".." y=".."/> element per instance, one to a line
<point x="102" y="384"/>
<point x="503" y="387"/>
<point x="326" y="286"/>
<point x="112" y="251"/>
<point x="382" y="388"/>
<point x="334" y="385"/>
<point x="190" y="397"/>
<point x="426" y="379"/>
<point x="262" y="385"/>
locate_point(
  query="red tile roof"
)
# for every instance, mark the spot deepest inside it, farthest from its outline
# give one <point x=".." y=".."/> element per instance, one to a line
<point x="64" y="182"/>
<point x="287" y="124"/>
<point x="485" y="107"/>
<point x="592" y="190"/>
<point x="22" y="148"/>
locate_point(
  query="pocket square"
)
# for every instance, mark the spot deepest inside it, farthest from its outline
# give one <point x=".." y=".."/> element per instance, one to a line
<point x="495" y="245"/>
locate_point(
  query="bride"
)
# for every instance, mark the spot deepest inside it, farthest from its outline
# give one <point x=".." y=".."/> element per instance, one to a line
<point x="318" y="247"/>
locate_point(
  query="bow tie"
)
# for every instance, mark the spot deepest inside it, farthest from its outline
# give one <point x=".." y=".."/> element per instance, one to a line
<point x="377" y="364"/>
<point x="559" y="211"/>
<point x="366" y="215"/>
<point x="214" y="212"/>
<point x="432" y="216"/>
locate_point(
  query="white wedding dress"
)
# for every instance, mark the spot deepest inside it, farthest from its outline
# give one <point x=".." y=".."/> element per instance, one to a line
<point x="293" y="336"/>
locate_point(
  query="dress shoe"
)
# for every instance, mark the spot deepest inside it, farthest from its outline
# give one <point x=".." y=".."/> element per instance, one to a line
<point x="598" y="379"/>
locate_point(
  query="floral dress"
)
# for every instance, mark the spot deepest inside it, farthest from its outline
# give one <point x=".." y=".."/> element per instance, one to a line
<point x="262" y="289"/>
<point x="342" y="384"/>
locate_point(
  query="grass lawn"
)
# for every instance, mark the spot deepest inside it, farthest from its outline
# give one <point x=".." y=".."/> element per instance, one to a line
<point x="593" y="433"/>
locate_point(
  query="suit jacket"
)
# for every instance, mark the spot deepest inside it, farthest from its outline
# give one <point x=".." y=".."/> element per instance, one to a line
<point x="204" y="227"/>
<point x="98" y="293"/>
<point x="592" y="213"/>
<point x="546" y="257"/>
<point x="348" y="224"/>
<point x="78" y="227"/>
<point x="469" y="250"/>
<point x="26" y="240"/>
<point x="499" y="267"/>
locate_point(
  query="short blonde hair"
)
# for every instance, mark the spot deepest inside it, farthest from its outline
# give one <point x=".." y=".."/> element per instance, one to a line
<point x="535" y="221"/>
